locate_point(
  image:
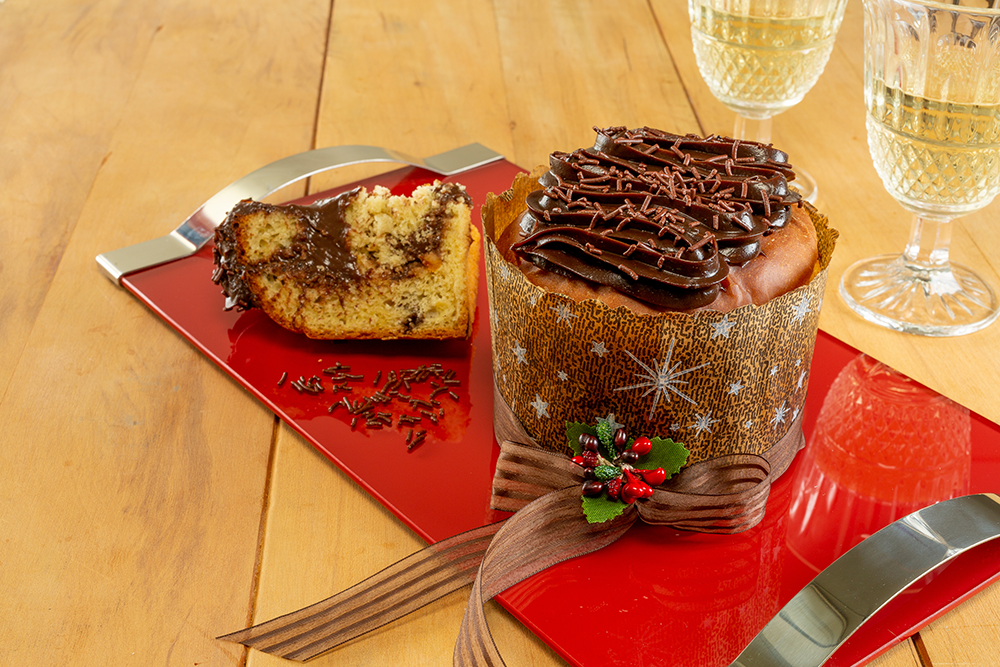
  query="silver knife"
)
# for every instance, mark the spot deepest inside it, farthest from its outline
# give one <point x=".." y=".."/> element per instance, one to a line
<point x="821" y="617"/>
<point x="195" y="232"/>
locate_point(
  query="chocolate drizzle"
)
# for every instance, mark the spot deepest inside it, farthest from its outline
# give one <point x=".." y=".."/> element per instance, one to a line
<point x="657" y="216"/>
<point x="319" y="252"/>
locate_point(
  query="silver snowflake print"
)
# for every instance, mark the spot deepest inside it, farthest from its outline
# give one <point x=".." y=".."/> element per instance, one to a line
<point x="540" y="406"/>
<point x="779" y="415"/>
<point x="598" y="348"/>
<point x="748" y="423"/>
<point x="722" y="328"/>
<point x="735" y="388"/>
<point x="521" y="353"/>
<point x="774" y="371"/>
<point x="802" y="377"/>
<point x="801" y="309"/>
<point x="563" y="313"/>
<point x="703" y="423"/>
<point x="662" y="380"/>
<point x="798" y="362"/>
<point x="562" y="376"/>
<point x="795" y="413"/>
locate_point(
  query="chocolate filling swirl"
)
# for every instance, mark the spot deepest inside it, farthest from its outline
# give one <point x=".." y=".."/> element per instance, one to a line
<point x="657" y="216"/>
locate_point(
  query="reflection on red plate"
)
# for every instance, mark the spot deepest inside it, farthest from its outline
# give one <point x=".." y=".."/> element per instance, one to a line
<point x="657" y="596"/>
<point x="884" y="446"/>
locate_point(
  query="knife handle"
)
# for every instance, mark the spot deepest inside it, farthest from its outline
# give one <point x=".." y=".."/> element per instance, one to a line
<point x="841" y="598"/>
<point x="195" y="232"/>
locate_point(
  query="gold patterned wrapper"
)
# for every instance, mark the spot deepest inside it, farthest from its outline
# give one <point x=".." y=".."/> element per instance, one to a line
<point x="721" y="383"/>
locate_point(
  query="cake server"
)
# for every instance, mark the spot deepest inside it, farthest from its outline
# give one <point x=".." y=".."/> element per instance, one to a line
<point x="821" y="617"/>
<point x="194" y="232"/>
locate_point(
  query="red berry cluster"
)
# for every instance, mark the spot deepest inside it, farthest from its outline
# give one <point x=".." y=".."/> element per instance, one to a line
<point x="617" y="477"/>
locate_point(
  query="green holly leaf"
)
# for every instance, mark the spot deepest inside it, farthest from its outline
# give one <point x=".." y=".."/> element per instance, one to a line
<point x="573" y="432"/>
<point x="666" y="454"/>
<point x="599" y="509"/>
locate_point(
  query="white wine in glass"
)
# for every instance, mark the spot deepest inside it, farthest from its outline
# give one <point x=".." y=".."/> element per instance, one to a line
<point x="760" y="57"/>
<point x="932" y="93"/>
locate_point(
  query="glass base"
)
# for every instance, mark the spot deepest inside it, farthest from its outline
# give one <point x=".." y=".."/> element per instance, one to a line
<point x="951" y="301"/>
<point x="805" y="185"/>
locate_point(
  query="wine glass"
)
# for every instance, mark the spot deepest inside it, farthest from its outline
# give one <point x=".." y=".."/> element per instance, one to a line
<point x="932" y="92"/>
<point x="760" y="57"/>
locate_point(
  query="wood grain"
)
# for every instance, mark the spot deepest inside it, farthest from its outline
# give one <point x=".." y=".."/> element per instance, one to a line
<point x="149" y="503"/>
<point x="65" y="80"/>
<point x="131" y="508"/>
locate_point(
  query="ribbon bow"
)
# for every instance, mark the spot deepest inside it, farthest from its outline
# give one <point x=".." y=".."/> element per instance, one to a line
<point x="722" y="495"/>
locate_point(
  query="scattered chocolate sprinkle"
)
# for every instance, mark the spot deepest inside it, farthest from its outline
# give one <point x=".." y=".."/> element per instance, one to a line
<point x="417" y="439"/>
<point x="628" y="271"/>
<point x="365" y="411"/>
<point x="284" y="376"/>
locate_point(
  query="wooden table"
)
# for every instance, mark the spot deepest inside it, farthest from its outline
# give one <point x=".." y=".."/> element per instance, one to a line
<point x="148" y="502"/>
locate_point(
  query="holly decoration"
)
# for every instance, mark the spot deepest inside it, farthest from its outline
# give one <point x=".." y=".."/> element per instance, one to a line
<point x="619" y="469"/>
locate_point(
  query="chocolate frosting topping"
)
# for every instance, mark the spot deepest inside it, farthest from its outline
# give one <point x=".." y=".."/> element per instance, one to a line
<point x="657" y="216"/>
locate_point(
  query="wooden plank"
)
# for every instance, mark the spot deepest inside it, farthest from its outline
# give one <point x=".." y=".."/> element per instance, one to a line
<point x="131" y="520"/>
<point x="421" y="78"/>
<point x="968" y="635"/>
<point x="67" y="74"/>
<point x="904" y="654"/>
<point x="573" y="65"/>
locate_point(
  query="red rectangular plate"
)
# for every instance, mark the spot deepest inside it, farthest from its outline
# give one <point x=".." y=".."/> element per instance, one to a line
<point x="657" y="596"/>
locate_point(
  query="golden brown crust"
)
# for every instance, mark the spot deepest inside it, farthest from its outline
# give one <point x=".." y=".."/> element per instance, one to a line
<point x="472" y="289"/>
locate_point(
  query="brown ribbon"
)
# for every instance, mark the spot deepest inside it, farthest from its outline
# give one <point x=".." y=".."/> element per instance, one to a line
<point x="723" y="495"/>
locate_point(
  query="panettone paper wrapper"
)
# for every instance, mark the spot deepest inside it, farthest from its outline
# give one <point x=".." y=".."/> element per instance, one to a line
<point x="721" y="383"/>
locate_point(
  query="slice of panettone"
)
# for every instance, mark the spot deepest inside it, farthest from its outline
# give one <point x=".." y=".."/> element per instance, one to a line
<point x="359" y="265"/>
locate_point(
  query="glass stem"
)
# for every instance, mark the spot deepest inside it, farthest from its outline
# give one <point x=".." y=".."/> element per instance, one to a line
<point x="752" y="129"/>
<point x="927" y="249"/>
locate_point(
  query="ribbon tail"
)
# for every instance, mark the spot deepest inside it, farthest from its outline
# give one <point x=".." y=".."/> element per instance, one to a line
<point x="547" y="531"/>
<point x="396" y="591"/>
